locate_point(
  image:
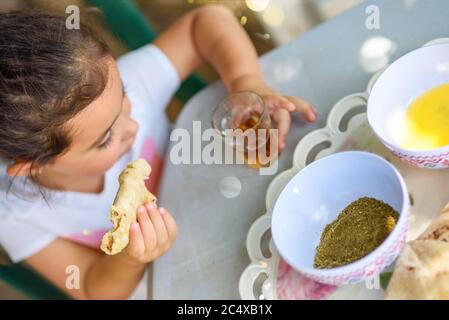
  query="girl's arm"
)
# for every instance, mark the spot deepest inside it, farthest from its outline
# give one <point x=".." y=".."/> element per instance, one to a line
<point x="99" y="276"/>
<point x="211" y="34"/>
<point x="67" y="265"/>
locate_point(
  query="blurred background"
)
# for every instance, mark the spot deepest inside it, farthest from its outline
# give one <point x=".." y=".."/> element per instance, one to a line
<point x="269" y="23"/>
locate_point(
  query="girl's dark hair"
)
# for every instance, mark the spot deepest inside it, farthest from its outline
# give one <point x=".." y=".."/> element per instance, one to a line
<point x="48" y="74"/>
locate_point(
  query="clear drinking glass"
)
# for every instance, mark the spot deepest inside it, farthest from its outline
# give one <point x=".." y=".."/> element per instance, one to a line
<point x="244" y="122"/>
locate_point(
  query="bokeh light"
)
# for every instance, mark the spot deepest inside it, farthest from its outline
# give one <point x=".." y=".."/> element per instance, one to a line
<point x="230" y="187"/>
<point x="257" y="5"/>
<point x="273" y="15"/>
<point x="376" y="53"/>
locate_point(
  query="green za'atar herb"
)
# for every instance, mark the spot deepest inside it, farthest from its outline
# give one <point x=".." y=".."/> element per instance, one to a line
<point x="359" y="229"/>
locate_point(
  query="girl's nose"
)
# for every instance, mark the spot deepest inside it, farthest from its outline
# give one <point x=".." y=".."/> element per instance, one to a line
<point x="131" y="130"/>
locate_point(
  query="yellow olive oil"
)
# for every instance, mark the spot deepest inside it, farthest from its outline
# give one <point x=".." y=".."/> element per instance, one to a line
<point x="427" y="120"/>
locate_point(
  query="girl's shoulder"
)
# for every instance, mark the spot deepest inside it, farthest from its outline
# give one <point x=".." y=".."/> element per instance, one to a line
<point x="149" y="77"/>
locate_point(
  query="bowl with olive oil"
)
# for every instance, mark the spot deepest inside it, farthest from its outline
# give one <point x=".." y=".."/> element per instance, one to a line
<point x="408" y="107"/>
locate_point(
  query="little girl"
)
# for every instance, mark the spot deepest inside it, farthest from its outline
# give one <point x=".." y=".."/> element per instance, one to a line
<point x="71" y="118"/>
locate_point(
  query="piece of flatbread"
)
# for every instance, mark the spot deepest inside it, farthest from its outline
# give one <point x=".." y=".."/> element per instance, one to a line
<point x="422" y="270"/>
<point x="438" y="229"/>
<point x="131" y="194"/>
<point x="445" y="209"/>
<point x="421" y="273"/>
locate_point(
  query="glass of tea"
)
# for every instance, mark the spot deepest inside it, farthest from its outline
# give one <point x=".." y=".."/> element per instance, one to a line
<point x="244" y="123"/>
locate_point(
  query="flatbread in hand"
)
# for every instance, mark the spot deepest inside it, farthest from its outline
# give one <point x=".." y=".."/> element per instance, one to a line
<point x="131" y="194"/>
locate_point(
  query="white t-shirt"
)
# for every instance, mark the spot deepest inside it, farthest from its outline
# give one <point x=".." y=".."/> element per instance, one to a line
<point x="28" y="223"/>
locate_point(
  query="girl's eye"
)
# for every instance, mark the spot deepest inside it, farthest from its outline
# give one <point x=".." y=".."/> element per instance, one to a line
<point x="107" y="142"/>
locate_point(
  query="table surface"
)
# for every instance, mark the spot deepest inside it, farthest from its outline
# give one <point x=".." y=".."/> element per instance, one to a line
<point x="321" y="66"/>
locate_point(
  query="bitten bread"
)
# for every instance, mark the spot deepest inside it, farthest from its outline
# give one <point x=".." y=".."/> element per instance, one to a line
<point x="131" y="194"/>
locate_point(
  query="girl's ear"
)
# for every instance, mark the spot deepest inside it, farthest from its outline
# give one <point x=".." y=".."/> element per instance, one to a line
<point x="20" y="168"/>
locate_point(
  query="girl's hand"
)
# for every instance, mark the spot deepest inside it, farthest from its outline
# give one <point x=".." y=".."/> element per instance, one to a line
<point x="278" y="105"/>
<point x="152" y="235"/>
<point x="280" y="108"/>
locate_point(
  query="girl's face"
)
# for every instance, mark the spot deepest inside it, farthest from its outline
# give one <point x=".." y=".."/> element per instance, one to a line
<point x="100" y="134"/>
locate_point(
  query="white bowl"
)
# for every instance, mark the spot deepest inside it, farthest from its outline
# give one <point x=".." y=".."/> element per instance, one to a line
<point x="317" y="194"/>
<point x="401" y="83"/>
